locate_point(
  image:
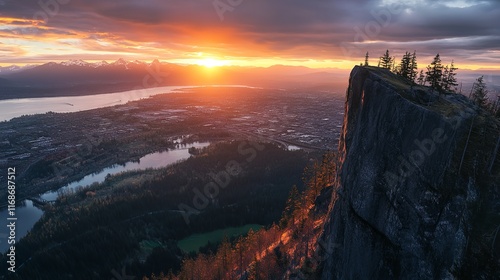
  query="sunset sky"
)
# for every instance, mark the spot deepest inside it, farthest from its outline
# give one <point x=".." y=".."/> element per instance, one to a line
<point x="314" y="33"/>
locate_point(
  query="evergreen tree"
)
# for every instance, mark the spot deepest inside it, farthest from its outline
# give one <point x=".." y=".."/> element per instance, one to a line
<point x="386" y="60"/>
<point x="366" y="59"/>
<point x="395" y="68"/>
<point x="404" y="69"/>
<point x="292" y="205"/>
<point x="434" y="73"/>
<point x="444" y="78"/>
<point x="480" y="93"/>
<point x="413" y="66"/>
<point x="496" y="107"/>
<point x="421" y="78"/>
<point x="224" y="253"/>
<point x="240" y="249"/>
<point x="449" y="79"/>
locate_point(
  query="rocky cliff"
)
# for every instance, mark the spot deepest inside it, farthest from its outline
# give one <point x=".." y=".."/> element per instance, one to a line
<point x="418" y="191"/>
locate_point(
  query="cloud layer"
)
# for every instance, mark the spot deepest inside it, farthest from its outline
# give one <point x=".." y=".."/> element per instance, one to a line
<point x="294" y="30"/>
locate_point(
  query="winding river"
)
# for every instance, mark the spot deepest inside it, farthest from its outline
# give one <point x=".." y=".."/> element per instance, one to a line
<point x="28" y="214"/>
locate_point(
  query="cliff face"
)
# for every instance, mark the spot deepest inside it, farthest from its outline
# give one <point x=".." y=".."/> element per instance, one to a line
<point x="418" y="190"/>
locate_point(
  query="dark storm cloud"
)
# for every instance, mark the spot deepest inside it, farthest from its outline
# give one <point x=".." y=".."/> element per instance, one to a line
<point x="437" y="21"/>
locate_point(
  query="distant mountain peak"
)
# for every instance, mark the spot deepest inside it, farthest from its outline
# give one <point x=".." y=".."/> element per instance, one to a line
<point x="137" y="62"/>
<point x="73" y="62"/>
<point x="120" y="61"/>
<point x="14" y="68"/>
<point x="104" y="62"/>
<point x="99" y="64"/>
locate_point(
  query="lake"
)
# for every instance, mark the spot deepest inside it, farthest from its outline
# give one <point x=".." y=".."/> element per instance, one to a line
<point x="12" y="108"/>
<point x="27" y="214"/>
<point x="194" y="242"/>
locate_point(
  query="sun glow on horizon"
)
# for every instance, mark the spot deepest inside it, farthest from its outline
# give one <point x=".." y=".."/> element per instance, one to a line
<point x="212" y="62"/>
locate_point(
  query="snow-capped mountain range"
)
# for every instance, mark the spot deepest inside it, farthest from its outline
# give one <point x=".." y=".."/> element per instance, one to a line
<point x="73" y="72"/>
<point x="76" y="77"/>
<point x="80" y="63"/>
<point x="119" y="62"/>
<point x="14" y="68"/>
<point x="79" y="77"/>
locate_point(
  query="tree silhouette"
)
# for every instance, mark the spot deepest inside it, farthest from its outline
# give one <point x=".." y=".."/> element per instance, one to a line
<point x="449" y="81"/>
<point x="480" y="93"/>
<point x="434" y="73"/>
<point x="386" y="60"/>
<point x="404" y="70"/>
<point x="413" y="66"/>
<point x="408" y="67"/>
<point x="394" y="67"/>
<point x="444" y="78"/>
<point x="421" y="78"/>
<point x="366" y="59"/>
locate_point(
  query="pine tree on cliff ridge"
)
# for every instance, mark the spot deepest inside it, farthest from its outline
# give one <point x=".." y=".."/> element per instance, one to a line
<point x="413" y="67"/>
<point x="405" y="68"/>
<point x="480" y="93"/>
<point x="444" y="78"/>
<point x="434" y="74"/>
<point x="449" y="81"/>
<point x="421" y="78"/>
<point x="386" y="60"/>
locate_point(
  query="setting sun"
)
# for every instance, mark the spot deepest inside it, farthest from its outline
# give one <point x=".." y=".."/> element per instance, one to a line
<point x="210" y="62"/>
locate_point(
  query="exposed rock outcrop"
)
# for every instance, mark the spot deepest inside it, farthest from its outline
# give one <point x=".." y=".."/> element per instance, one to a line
<point x="418" y="191"/>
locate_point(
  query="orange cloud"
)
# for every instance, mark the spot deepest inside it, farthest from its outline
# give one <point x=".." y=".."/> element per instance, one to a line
<point x="319" y="33"/>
